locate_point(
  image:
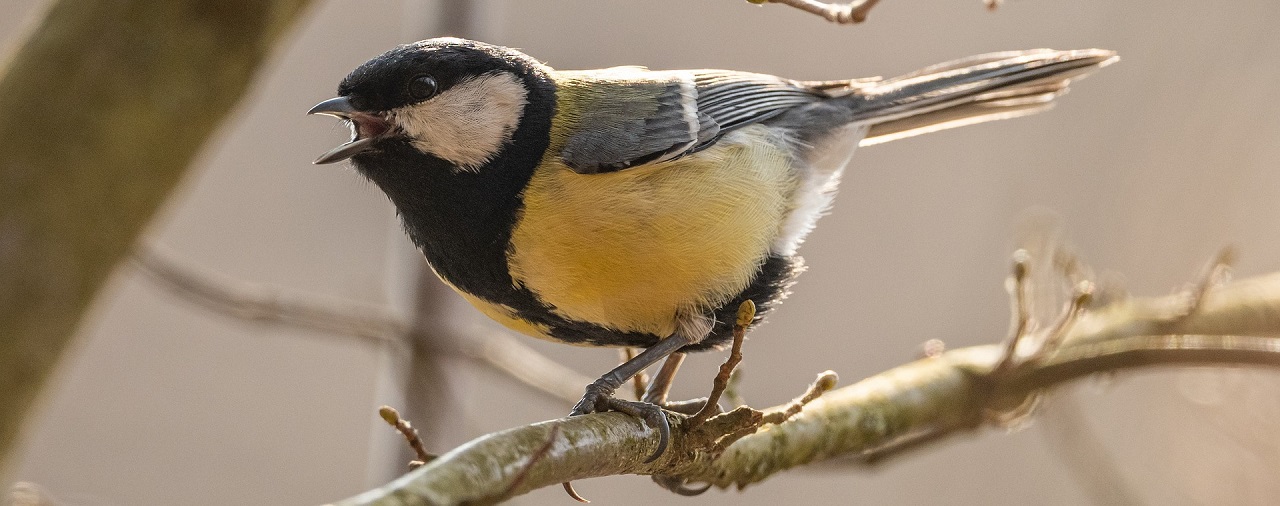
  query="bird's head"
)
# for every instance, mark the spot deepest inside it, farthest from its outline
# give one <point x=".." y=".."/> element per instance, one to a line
<point x="456" y="100"/>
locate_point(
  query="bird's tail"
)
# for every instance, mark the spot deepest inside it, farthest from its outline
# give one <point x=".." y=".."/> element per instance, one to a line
<point x="967" y="91"/>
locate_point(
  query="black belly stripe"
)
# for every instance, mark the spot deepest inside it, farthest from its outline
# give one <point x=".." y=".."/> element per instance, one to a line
<point x="766" y="290"/>
<point x="770" y="286"/>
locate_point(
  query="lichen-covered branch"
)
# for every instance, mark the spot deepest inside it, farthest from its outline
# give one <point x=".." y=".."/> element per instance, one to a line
<point x="919" y="403"/>
<point x="104" y="105"/>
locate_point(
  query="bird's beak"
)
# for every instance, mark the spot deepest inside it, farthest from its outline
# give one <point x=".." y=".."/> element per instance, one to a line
<point x="364" y="129"/>
<point x="338" y="107"/>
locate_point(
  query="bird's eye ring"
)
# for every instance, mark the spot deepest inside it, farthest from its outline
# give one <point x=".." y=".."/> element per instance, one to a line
<point x="422" y="87"/>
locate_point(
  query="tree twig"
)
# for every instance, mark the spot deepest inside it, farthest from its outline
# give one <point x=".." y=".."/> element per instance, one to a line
<point x="266" y="303"/>
<point x="392" y="417"/>
<point x="835" y="12"/>
<point x="746" y="313"/>
<point x="515" y="359"/>
<point x="342" y="317"/>
<point x="640" y="382"/>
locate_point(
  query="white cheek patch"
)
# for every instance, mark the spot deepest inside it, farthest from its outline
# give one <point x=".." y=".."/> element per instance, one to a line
<point x="469" y="123"/>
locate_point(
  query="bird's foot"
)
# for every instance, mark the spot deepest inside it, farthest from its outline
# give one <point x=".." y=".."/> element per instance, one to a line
<point x="599" y="398"/>
<point x="653" y="406"/>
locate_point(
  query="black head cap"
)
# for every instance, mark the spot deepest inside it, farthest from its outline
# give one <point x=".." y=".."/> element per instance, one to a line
<point x="384" y="83"/>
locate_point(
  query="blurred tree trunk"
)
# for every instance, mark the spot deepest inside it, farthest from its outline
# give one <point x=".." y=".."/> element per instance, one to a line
<point x="101" y="110"/>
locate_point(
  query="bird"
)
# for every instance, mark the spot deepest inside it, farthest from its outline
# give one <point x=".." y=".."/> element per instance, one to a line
<point x="629" y="207"/>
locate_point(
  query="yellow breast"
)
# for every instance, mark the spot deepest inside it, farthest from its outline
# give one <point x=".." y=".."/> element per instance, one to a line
<point x="629" y="249"/>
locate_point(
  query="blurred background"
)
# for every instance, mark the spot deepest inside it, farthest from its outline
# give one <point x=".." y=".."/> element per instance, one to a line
<point x="1150" y="167"/>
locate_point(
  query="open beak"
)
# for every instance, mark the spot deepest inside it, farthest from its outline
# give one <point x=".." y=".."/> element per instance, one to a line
<point x="364" y="129"/>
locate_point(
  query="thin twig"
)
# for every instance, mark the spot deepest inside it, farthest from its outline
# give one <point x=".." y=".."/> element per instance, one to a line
<point x="1083" y="294"/>
<point x="265" y="303"/>
<point x="746" y="313"/>
<point x="1216" y="271"/>
<point x="839" y="13"/>
<point x="826" y="381"/>
<point x="341" y="317"/>
<point x="521" y="362"/>
<point x="392" y="417"/>
<point x="640" y="382"/>
<point x="1011" y="415"/>
<point x="1020" y="310"/>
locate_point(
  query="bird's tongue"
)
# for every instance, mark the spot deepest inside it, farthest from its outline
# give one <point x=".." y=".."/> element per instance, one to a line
<point x="369" y="126"/>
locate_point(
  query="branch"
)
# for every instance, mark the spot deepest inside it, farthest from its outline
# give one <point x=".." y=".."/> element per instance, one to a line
<point x="105" y="104"/>
<point x="343" y="317"/>
<point x="265" y="303"/>
<point x="922" y="402"/>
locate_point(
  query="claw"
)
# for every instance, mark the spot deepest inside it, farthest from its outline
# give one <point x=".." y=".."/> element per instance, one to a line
<point x="652" y="415"/>
<point x="658" y="420"/>
<point x="568" y="489"/>
<point x="592" y="401"/>
<point x="679" y="485"/>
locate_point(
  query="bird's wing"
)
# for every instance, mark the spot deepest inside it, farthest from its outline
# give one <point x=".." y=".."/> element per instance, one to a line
<point x="628" y="116"/>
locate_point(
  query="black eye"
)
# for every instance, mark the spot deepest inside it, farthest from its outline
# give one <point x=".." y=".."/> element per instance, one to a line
<point x="422" y="87"/>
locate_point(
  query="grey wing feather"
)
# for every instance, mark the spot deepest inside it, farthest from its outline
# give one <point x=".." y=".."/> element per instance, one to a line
<point x="634" y="121"/>
<point x="652" y="120"/>
<point x="632" y="116"/>
<point x="736" y="99"/>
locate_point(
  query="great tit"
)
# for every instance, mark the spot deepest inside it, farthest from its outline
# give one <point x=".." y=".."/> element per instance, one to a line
<point x="629" y="207"/>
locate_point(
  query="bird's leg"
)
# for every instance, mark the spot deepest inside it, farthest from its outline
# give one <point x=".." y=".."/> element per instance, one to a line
<point x="641" y="381"/>
<point x="661" y="386"/>
<point x="599" y="395"/>
<point x="604" y="387"/>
